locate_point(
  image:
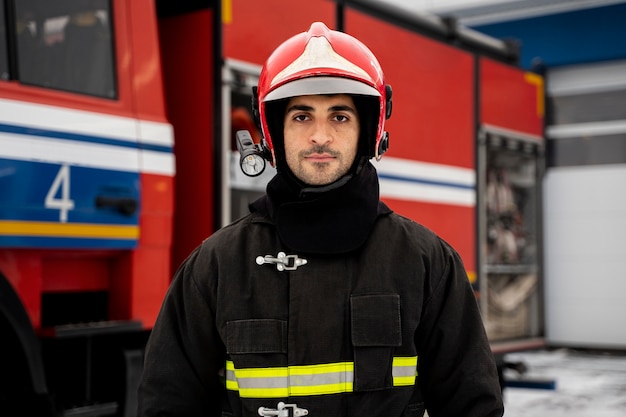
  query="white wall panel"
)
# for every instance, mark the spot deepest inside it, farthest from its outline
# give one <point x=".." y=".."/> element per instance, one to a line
<point x="585" y="249"/>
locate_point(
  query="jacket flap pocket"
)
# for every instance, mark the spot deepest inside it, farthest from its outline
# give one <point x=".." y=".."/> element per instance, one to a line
<point x="376" y="320"/>
<point x="256" y="336"/>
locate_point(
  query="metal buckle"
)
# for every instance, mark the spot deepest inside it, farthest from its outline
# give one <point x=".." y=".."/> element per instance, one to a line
<point x="282" y="261"/>
<point x="283" y="410"/>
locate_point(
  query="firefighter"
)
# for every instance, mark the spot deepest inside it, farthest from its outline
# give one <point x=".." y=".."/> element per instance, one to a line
<point x="322" y="301"/>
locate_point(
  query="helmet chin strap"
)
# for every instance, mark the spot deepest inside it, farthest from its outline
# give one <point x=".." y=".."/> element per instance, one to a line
<point x="382" y="147"/>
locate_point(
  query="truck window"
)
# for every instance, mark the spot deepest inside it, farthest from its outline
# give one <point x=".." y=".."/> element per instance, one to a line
<point x="4" y="61"/>
<point x="66" y="46"/>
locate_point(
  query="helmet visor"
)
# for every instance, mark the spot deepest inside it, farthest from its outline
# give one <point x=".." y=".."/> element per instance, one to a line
<point x="320" y="85"/>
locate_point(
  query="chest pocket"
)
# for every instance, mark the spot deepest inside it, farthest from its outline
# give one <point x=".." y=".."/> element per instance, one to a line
<point x="376" y="331"/>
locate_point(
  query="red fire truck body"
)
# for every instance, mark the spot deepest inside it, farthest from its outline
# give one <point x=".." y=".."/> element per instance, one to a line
<point x="104" y="190"/>
<point x="444" y="93"/>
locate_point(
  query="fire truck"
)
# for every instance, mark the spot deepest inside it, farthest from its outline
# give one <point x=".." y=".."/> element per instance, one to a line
<point x="117" y="159"/>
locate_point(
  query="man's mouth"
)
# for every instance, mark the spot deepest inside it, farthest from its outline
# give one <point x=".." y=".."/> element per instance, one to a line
<point x="320" y="154"/>
<point x="319" y="157"/>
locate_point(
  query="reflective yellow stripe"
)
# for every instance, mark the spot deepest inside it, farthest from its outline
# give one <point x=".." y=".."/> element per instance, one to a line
<point x="78" y="230"/>
<point x="330" y="378"/>
<point x="405" y="361"/>
<point x="302" y="380"/>
<point x="404" y="371"/>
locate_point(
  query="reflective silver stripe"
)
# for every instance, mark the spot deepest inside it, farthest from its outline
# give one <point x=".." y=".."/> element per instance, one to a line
<point x="331" y="378"/>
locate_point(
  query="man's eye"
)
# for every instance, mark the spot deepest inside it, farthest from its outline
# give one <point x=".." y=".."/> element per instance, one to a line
<point x="341" y="118"/>
<point x="300" y="117"/>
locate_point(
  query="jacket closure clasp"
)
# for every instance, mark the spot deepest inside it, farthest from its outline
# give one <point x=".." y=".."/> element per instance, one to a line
<point x="282" y="261"/>
<point x="283" y="410"/>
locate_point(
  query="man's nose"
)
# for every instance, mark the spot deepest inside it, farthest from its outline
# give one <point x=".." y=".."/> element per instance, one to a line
<point x="321" y="133"/>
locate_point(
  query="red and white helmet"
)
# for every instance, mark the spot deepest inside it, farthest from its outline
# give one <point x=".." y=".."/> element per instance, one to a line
<point x="323" y="61"/>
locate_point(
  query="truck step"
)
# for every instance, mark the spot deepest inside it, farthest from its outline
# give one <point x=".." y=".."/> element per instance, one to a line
<point x="94" y="410"/>
<point x="96" y="328"/>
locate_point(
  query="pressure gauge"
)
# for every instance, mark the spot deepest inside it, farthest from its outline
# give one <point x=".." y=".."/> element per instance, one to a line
<point x="252" y="164"/>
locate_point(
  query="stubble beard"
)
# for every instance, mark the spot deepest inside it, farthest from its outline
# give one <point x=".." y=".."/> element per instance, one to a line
<point x="320" y="173"/>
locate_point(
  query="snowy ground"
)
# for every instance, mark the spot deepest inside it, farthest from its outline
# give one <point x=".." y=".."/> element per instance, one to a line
<point x="587" y="384"/>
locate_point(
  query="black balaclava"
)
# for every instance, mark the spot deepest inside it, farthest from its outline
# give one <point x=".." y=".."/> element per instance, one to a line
<point x="332" y="218"/>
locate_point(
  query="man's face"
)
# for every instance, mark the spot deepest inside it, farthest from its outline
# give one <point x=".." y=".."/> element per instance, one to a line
<point x="321" y="137"/>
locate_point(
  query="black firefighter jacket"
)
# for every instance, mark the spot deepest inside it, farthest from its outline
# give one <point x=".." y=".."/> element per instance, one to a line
<point x="386" y="330"/>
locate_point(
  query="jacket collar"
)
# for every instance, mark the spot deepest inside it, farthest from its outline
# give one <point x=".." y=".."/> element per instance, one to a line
<point x="334" y="219"/>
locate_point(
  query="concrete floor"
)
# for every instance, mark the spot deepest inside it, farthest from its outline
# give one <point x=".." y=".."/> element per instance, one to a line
<point x="585" y="384"/>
